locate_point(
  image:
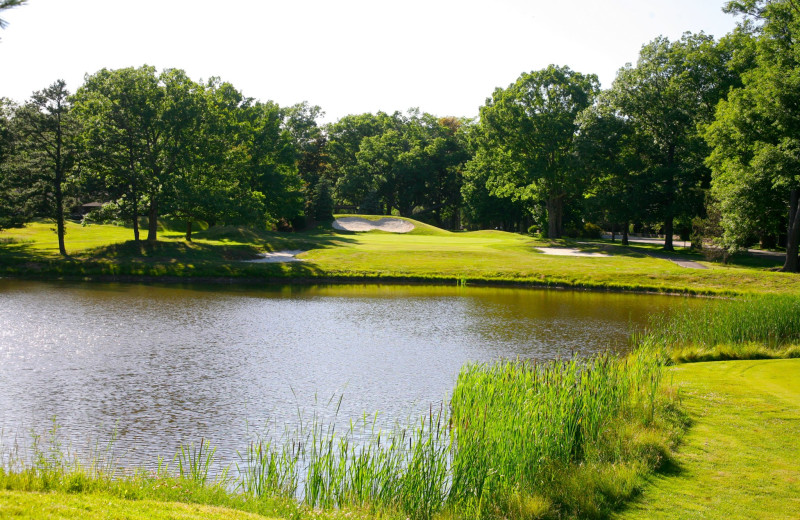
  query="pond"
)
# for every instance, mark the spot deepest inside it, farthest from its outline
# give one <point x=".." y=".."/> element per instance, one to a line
<point x="169" y="365"/>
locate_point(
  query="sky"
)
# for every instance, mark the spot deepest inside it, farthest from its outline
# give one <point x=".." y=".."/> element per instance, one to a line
<point x="444" y="57"/>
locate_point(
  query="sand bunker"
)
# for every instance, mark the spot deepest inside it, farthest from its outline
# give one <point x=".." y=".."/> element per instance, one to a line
<point x="568" y="251"/>
<point x="277" y="256"/>
<point x="392" y="225"/>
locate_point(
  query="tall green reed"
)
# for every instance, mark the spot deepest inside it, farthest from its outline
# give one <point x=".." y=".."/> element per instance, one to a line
<point x="516" y="424"/>
<point x="510" y="430"/>
<point x="771" y="320"/>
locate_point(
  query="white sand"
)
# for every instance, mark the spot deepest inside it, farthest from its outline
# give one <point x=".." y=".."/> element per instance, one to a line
<point x="568" y="251"/>
<point x="277" y="256"/>
<point x="392" y="225"/>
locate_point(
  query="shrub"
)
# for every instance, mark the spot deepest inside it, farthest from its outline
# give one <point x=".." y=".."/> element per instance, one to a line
<point x="591" y="231"/>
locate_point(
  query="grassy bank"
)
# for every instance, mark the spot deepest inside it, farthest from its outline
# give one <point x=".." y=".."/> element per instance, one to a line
<point x="427" y="254"/>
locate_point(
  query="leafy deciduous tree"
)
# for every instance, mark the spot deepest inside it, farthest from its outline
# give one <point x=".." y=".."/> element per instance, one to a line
<point x="532" y="124"/>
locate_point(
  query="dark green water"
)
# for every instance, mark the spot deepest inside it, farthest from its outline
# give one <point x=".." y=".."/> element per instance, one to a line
<point x="168" y="365"/>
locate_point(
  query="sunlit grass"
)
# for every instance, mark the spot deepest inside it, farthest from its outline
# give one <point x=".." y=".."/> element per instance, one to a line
<point x="426" y="254"/>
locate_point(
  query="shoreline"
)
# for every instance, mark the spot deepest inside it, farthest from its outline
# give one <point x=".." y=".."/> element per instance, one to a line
<point x="371" y="280"/>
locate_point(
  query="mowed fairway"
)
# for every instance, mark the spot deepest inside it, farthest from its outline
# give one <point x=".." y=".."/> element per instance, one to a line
<point x="741" y="457"/>
<point x="83" y="506"/>
<point x="425" y="254"/>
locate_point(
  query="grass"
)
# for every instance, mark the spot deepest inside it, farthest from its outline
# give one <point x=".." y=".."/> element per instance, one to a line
<point x="427" y="254"/>
<point x="518" y="439"/>
<point x="739" y="459"/>
<point x="564" y="439"/>
<point x="27" y="505"/>
<point x="755" y="327"/>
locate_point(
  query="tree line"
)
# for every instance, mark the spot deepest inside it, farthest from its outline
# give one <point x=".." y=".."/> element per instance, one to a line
<point x="698" y="138"/>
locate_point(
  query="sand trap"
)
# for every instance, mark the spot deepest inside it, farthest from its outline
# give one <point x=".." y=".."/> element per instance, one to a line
<point x="277" y="256"/>
<point x="392" y="225"/>
<point x="568" y="251"/>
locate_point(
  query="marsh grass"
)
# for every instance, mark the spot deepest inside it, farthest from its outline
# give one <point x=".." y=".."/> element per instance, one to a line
<point x="518" y="439"/>
<point x="755" y="327"/>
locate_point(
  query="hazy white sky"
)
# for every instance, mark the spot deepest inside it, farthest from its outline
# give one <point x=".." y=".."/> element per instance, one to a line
<point x="347" y="56"/>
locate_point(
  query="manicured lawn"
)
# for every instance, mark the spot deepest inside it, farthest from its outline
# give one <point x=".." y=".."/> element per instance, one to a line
<point x="37" y="506"/>
<point x="741" y="457"/>
<point x="426" y="254"/>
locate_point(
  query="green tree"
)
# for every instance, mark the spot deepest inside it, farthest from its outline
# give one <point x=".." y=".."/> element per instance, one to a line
<point x="271" y="165"/>
<point x="482" y="208"/>
<point x="755" y="137"/>
<point x="607" y="146"/>
<point x="352" y="185"/>
<point x="672" y="90"/>
<point x="12" y="212"/>
<point x="322" y="201"/>
<point x="531" y="124"/>
<point x="47" y="149"/>
<point x="119" y="111"/>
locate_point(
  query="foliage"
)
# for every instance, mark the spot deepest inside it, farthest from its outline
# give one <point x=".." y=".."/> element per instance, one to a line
<point x="405" y="163"/>
<point x="46" y="152"/>
<point x="196" y="152"/>
<point x="322" y="201"/>
<point x="756" y="152"/>
<point x="13" y="209"/>
<point x="529" y="127"/>
<point x="673" y="88"/>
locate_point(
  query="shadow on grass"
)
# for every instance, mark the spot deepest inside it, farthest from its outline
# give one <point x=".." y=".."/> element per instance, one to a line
<point x="172" y="250"/>
<point x="320" y="237"/>
<point x="610" y="248"/>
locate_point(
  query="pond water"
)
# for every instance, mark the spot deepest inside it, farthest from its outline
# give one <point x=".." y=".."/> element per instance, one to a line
<point x="169" y="365"/>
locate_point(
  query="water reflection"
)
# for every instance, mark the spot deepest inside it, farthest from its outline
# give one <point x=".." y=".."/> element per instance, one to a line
<point x="169" y="365"/>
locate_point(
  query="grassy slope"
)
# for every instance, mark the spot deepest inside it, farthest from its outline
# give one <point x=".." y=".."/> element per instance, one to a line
<point x="427" y="253"/>
<point x="741" y="457"/>
<point x="24" y="505"/>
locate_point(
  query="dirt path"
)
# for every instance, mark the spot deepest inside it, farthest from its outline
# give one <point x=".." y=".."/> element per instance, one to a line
<point x="689" y="264"/>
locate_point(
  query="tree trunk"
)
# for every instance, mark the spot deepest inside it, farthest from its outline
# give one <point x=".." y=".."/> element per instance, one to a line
<point x="669" y="219"/>
<point x="60" y="218"/>
<point x="152" y="217"/>
<point x="555" y="210"/>
<point x="613" y="233"/>
<point x="59" y="194"/>
<point x="625" y="234"/>
<point x="790" y="265"/>
<point x="188" y="230"/>
<point x="668" y="231"/>
<point x="135" y="222"/>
